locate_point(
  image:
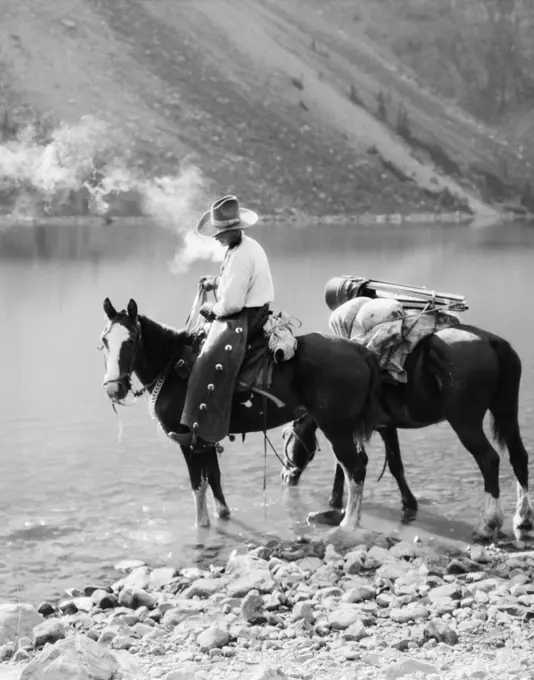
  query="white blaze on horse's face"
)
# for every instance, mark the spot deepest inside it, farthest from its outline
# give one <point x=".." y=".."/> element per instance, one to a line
<point x="115" y="338"/>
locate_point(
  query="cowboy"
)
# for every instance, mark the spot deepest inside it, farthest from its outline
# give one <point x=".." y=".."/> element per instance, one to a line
<point x="244" y="292"/>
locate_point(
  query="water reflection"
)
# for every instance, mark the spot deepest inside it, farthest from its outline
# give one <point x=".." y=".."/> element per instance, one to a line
<point x="76" y="500"/>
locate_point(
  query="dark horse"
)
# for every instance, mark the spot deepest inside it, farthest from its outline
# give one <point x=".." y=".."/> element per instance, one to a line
<point x="333" y="379"/>
<point x="455" y="375"/>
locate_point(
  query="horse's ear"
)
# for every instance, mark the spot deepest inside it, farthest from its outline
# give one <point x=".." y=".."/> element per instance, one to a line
<point x="110" y="310"/>
<point x="132" y="310"/>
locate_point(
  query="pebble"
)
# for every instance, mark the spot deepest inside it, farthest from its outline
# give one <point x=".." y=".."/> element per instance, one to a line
<point x="252" y="607"/>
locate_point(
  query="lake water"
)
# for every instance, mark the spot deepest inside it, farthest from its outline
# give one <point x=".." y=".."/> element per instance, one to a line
<point x="74" y="499"/>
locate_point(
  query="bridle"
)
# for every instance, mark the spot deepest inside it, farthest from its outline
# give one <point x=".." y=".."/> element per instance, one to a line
<point x="126" y="376"/>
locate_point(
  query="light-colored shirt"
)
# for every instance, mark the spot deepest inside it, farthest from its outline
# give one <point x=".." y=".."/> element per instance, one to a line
<point x="245" y="279"/>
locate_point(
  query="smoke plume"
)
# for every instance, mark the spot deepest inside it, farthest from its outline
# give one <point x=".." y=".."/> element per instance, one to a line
<point x="91" y="158"/>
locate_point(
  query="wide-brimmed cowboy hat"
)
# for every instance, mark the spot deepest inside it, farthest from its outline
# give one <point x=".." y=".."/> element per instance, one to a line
<point x="225" y="215"/>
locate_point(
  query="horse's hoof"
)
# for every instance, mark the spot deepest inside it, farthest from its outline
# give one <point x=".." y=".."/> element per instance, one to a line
<point x="410" y="505"/>
<point x="525" y="534"/>
<point x="408" y="515"/>
<point x="223" y="513"/>
<point x="523" y="525"/>
<point x="485" y="535"/>
<point x="332" y="518"/>
<point x="290" y="477"/>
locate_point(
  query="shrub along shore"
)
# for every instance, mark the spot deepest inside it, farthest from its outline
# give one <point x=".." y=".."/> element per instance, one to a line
<point x="347" y="608"/>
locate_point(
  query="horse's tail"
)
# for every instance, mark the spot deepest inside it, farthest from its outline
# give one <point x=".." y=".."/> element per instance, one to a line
<point x="371" y="411"/>
<point x="504" y="406"/>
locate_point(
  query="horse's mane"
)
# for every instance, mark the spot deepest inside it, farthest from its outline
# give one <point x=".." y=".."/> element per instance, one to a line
<point x="169" y="340"/>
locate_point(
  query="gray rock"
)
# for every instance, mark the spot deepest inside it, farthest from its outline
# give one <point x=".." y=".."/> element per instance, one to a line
<point x="274" y="600"/>
<point x="122" y="642"/>
<point x="359" y="594"/>
<point x="163" y="576"/>
<point x="481" y="597"/>
<point x="68" y="607"/>
<point x="7" y="651"/>
<point x="380" y="555"/>
<point x="469" y="626"/>
<point x="384" y="599"/>
<point x="343" y="617"/>
<point x="17" y="620"/>
<point x="303" y="610"/>
<point x="417" y="613"/>
<point x="309" y="564"/>
<point x="355" y="632"/>
<point x="83" y="604"/>
<point x="262" y="552"/>
<point x="197" y="623"/>
<point x="143" y="629"/>
<point x="193" y="573"/>
<point x="403" y="550"/>
<point x="46" y="609"/>
<point x="188" y="672"/>
<point x="181" y="611"/>
<point x="214" y="636"/>
<point x="441" y="632"/>
<point x="240" y="565"/>
<point x="354" y="562"/>
<point x="78" y="658"/>
<point x="252" y="607"/>
<point x="408" y="668"/>
<point x="50" y="630"/>
<point x="103" y="599"/>
<point x="25" y="643"/>
<point x="204" y="587"/>
<point x="478" y="554"/>
<point x="485" y="585"/>
<point x="450" y="590"/>
<point x="399" y="569"/>
<point x="107" y="636"/>
<point x="259" y="579"/>
<point x="21" y="655"/>
<point x="136" y="597"/>
<point x="138" y="578"/>
<point x="267" y="673"/>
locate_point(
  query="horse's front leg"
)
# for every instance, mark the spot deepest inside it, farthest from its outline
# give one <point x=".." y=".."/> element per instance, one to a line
<point x="199" y="484"/>
<point x="211" y="465"/>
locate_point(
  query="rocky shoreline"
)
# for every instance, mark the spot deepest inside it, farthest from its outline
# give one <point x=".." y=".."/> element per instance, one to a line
<point x="343" y="608"/>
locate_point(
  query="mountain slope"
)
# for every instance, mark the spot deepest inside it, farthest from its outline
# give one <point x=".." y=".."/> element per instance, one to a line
<point x="274" y="100"/>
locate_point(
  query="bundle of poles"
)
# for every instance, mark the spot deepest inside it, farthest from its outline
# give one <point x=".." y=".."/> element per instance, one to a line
<point x="340" y="289"/>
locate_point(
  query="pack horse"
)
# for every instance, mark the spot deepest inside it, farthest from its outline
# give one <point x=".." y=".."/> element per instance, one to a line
<point x="434" y="369"/>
